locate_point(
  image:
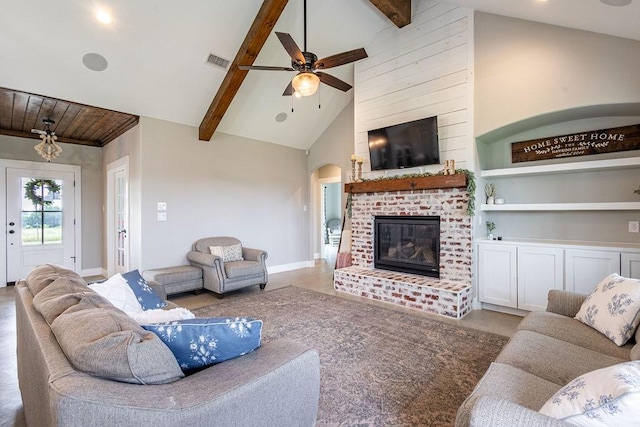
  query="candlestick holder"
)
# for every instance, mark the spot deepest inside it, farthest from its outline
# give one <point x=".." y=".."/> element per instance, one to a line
<point x="360" y="170"/>
<point x="353" y="170"/>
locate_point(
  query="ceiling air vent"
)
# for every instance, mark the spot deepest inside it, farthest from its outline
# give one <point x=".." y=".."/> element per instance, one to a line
<point x="217" y="61"/>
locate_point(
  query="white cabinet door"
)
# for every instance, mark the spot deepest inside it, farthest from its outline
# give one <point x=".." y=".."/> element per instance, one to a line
<point x="630" y="265"/>
<point x="584" y="269"/>
<point x="539" y="271"/>
<point x="497" y="275"/>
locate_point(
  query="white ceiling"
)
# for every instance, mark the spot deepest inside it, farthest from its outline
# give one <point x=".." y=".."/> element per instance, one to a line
<point x="157" y="49"/>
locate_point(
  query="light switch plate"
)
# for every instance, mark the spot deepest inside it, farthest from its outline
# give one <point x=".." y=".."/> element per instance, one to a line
<point x="162" y="206"/>
<point x="162" y="216"/>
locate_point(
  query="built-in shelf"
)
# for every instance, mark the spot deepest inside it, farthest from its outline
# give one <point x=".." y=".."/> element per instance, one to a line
<point x="408" y="184"/>
<point x="515" y="207"/>
<point x="594" y="165"/>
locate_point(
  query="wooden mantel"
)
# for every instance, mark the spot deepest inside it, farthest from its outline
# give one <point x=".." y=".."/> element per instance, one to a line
<point x="408" y="184"/>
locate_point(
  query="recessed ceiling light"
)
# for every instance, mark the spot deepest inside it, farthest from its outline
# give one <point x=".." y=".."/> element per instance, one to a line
<point x="95" y="62"/>
<point x="104" y="17"/>
<point x="616" y="2"/>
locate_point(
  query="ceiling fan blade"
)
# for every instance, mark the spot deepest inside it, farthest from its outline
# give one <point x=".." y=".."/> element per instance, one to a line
<point x="340" y="59"/>
<point x="291" y="47"/>
<point x="328" y="79"/>
<point x="264" y="68"/>
<point x="41" y="132"/>
<point x="289" y="90"/>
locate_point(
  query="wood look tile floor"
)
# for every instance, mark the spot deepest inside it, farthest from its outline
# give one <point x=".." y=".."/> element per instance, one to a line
<point x="318" y="278"/>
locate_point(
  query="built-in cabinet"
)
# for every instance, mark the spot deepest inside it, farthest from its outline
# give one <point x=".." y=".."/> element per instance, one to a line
<point x="497" y="272"/>
<point x="583" y="267"/>
<point x="539" y="270"/>
<point x="630" y="265"/>
<point x="520" y="275"/>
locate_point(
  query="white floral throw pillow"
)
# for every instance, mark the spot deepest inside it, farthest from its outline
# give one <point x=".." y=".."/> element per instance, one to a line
<point x="605" y="397"/>
<point x="613" y="308"/>
<point x="228" y="253"/>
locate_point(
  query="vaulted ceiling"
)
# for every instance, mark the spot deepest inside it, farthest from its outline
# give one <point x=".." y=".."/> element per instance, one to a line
<point x="157" y="50"/>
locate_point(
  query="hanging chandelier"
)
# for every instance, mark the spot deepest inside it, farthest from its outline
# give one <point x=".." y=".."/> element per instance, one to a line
<point x="48" y="148"/>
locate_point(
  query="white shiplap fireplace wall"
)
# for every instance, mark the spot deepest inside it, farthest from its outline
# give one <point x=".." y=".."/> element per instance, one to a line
<point x="424" y="69"/>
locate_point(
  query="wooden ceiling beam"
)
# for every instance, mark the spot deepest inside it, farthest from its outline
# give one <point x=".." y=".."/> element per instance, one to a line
<point x="262" y="26"/>
<point x="398" y="11"/>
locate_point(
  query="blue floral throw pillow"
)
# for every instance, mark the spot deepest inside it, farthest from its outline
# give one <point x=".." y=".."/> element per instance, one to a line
<point x="197" y="343"/>
<point x="613" y="308"/>
<point x="147" y="298"/>
<point x="605" y="397"/>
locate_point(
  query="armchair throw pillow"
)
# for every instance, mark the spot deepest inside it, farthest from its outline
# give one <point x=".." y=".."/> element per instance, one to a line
<point x="201" y="342"/>
<point x="228" y="253"/>
<point x="608" y="396"/>
<point x="613" y="308"/>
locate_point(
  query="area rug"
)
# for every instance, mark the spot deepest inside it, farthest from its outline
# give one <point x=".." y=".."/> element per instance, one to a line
<point x="379" y="367"/>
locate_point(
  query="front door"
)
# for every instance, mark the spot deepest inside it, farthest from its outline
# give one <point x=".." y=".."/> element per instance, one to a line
<point x="40" y="220"/>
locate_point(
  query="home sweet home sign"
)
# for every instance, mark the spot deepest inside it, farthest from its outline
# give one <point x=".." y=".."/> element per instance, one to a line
<point x="577" y="144"/>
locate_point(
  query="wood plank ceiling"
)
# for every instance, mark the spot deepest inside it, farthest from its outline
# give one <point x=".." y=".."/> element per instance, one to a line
<point x="74" y="123"/>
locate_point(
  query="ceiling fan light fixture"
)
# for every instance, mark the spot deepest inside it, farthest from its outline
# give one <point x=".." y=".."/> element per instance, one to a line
<point x="47" y="148"/>
<point x="305" y="83"/>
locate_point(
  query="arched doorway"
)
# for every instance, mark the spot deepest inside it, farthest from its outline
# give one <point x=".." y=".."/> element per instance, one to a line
<point x="327" y="191"/>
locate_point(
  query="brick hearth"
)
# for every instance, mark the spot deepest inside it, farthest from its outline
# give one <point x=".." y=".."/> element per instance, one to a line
<point x="448" y="296"/>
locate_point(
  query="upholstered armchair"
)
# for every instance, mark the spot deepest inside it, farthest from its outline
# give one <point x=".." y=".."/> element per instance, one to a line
<point x="227" y="265"/>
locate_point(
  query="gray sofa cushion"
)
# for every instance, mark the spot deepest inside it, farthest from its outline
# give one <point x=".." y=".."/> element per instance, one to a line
<point x="564" y="302"/>
<point x="61" y="294"/>
<point x="105" y="342"/>
<point x="552" y="359"/>
<point x="235" y="269"/>
<point x="101" y="340"/>
<point x="572" y="331"/>
<point x="492" y="411"/>
<point x="43" y="275"/>
<point x="635" y="351"/>
<point x="510" y="383"/>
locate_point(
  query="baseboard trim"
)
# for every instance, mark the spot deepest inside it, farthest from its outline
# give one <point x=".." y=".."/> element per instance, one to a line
<point x="288" y="267"/>
<point x="502" y="309"/>
<point x="93" y="272"/>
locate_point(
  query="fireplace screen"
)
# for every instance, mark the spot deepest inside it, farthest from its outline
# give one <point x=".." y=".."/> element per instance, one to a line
<point x="409" y="244"/>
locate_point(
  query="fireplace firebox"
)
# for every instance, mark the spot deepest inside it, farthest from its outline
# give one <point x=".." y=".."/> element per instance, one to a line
<point x="409" y="244"/>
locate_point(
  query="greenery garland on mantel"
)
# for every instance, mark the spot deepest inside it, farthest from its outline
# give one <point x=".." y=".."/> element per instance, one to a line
<point x="471" y="186"/>
<point x="38" y="200"/>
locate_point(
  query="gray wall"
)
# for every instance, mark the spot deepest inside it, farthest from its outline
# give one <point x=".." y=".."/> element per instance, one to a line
<point x="334" y="147"/>
<point x="525" y="69"/>
<point x="90" y="160"/>
<point x="128" y="144"/>
<point x="232" y="186"/>
<point x="533" y="81"/>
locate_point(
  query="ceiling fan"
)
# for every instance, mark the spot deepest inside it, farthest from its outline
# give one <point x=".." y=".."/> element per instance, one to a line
<point x="307" y="64"/>
<point x="47" y="128"/>
<point x="48" y="148"/>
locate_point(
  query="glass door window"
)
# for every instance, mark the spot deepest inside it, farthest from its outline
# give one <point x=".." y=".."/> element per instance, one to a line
<point x="41" y="211"/>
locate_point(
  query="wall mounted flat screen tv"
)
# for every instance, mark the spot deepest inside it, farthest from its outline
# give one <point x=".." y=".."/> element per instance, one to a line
<point x="406" y="145"/>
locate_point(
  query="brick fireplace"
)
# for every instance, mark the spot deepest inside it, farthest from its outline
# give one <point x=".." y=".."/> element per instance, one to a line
<point x="449" y="295"/>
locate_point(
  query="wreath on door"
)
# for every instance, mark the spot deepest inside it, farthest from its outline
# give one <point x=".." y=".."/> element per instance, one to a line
<point x="38" y="199"/>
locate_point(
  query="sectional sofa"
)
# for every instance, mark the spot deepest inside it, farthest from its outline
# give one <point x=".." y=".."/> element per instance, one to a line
<point x="549" y="350"/>
<point x="116" y="373"/>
